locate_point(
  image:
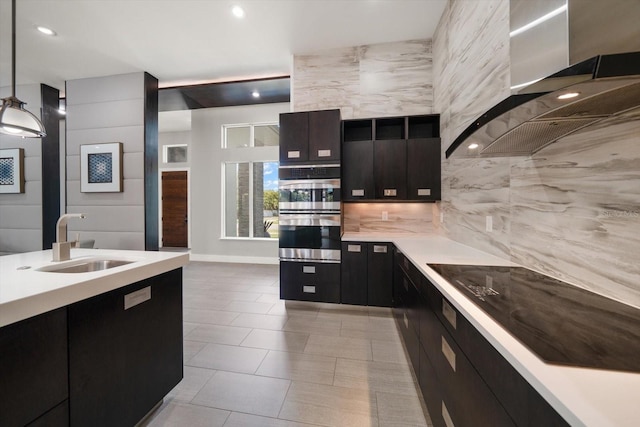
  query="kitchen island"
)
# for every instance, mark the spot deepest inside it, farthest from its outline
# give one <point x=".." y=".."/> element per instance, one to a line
<point x="581" y="396"/>
<point x="88" y="348"/>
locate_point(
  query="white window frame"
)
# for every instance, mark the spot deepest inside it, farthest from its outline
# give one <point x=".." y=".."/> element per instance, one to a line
<point x="242" y="158"/>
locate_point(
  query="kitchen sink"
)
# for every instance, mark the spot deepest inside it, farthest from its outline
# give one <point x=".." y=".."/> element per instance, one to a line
<point x="84" y="266"/>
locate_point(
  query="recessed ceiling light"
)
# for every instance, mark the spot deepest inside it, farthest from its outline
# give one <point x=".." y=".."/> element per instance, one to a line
<point x="238" y="12"/>
<point x="47" y="31"/>
<point x="473" y="146"/>
<point x="255" y="94"/>
<point x="568" y="95"/>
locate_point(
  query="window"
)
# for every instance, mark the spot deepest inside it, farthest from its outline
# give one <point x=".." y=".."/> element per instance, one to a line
<point x="175" y="153"/>
<point x="250" y="196"/>
<point x="251" y="135"/>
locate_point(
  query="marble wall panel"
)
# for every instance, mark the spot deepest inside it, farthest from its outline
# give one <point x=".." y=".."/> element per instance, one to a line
<point x="388" y="79"/>
<point x="401" y="217"/>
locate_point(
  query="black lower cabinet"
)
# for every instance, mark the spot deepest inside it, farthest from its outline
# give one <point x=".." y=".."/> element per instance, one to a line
<point x="125" y="351"/>
<point x="33" y="371"/>
<point x="464" y="380"/>
<point x="367" y="274"/>
<point x="310" y="281"/>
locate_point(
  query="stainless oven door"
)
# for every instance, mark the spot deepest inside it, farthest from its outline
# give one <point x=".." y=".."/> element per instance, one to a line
<point x="309" y="195"/>
<point x="309" y="237"/>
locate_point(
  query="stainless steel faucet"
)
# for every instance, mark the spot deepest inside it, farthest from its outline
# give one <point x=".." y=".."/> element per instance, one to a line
<point x="62" y="248"/>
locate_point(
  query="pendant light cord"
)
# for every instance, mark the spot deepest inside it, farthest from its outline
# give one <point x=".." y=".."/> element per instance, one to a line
<point x="13" y="48"/>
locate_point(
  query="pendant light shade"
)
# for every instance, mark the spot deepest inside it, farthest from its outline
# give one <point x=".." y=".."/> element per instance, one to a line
<point x="14" y="119"/>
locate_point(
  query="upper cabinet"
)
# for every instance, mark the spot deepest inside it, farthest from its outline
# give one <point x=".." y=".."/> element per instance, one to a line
<point x="393" y="158"/>
<point x="310" y="137"/>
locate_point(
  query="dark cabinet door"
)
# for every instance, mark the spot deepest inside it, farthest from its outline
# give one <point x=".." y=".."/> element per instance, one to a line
<point x="357" y="170"/>
<point x="324" y="135"/>
<point x="125" y="351"/>
<point x="294" y="137"/>
<point x="33" y="369"/>
<point x="380" y="270"/>
<point x="423" y="169"/>
<point x="390" y="169"/>
<point x="354" y="275"/>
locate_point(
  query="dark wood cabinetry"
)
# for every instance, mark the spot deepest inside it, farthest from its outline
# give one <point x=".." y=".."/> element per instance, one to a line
<point x="125" y="351"/>
<point x="310" y="137"/>
<point x="310" y="281"/>
<point x="33" y="371"/>
<point x="464" y="380"/>
<point x="396" y="158"/>
<point x="367" y="274"/>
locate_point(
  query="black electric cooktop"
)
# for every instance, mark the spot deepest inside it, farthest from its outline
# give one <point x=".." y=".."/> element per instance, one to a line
<point x="561" y="323"/>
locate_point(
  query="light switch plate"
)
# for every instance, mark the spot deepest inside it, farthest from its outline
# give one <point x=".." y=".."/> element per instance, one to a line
<point x="385" y="216"/>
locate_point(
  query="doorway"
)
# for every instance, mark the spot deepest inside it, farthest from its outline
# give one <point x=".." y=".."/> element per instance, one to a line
<point x="175" y="214"/>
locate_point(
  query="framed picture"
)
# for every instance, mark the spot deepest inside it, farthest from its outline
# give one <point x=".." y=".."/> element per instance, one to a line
<point x="175" y="153"/>
<point x="101" y="168"/>
<point x="12" y="170"/>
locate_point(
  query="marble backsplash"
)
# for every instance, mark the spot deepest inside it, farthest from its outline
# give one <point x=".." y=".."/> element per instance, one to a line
<point x="401" y="217"/>
<point x="572" y="210"/>
<point x="387" y="79"/>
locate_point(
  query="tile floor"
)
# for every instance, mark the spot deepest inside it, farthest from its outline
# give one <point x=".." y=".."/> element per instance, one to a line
<point x="253" y="360"/>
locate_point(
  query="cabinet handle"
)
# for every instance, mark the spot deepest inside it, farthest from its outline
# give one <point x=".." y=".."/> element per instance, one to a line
<point x="293" y="154"/>
<point x="389" y="192"/>
<point x="309" y="269"/>
<point x="358" y="192"/>
<point x="137" y="297"/>
<point x="309" y="289"/>
<point x="354" y="248"/>
<point x="446" y="417"/>
<point x="380" y="249"/>
<point x="449" y="313"/>
<point x="449" y="354"/>
<point x="324" y="153"/>
<point x="424" y="191"/>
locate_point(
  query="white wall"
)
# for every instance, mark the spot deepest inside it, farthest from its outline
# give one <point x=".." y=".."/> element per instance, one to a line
<point x="206" y="159"/>
<point x="21" y="214"/>
<point x="101" y="110"/>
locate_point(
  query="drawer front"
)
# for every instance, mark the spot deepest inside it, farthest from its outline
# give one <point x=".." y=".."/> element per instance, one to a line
<point x="310" y="281"/>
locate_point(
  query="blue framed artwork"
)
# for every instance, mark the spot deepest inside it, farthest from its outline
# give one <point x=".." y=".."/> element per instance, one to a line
<point x="12" y="170"/>
<point x="101" y="168"/>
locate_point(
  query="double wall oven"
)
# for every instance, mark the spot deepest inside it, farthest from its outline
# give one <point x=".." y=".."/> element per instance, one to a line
<point x="310" y="229"/>
<point x="310" y="214"/>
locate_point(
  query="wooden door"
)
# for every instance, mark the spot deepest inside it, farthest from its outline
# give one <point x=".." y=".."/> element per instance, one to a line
<point x="390" y="168"/>
<point x="174" y="209"/>
<point x="294" y="138"/>
<point x="324" y="136"/>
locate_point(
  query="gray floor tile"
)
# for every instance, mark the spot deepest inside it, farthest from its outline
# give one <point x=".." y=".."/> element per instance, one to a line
<point x="216" y="317"/>
<point x="375" y="376"/>
<point x="348" y="348"/>
<point x="298" y="367"/>
<point x="178" y="414"/>
<point x="229" y="358"/>
<point x="329" y="406"/>
<point x="244" y="393"/>
<point x="313" y="326"/>
<point x="389" y="351"/>
<point x="290" y="308"/>
<point x="248" y="307"/>
<point x="398" y="410"/>
<point x="218" y="334"/>
<point x="270" y="298"/>
<point x="237" y="419"/>
<point x="191" y="348"/>
<point x="193" y="381"/>
<point x="188" y="327"/>
<point x="276" y="340"/>
<point x="260" y="321"/>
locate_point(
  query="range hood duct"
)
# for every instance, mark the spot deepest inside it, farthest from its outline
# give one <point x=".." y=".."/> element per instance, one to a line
<point x="606" y="85"/>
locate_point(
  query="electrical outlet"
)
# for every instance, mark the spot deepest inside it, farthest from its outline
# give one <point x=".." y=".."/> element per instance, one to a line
<point x="385" y="216"/>
<point x="441" y="217"/>
<point x="489" y="224"/>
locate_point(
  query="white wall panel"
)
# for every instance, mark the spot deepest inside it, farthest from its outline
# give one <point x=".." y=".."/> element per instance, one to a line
<point x="103" y="89"/>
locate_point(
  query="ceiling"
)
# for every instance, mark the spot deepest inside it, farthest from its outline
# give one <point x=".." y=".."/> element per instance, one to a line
<point x="195" y="41"/>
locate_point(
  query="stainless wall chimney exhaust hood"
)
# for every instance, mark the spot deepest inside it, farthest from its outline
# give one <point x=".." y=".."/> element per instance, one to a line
<point x="603" y="84"/>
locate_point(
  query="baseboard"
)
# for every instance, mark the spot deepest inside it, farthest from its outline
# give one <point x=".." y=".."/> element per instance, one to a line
<point x="233" y="259"/>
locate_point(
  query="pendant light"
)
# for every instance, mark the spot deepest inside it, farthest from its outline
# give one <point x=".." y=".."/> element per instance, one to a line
<point x="14" y="119"/>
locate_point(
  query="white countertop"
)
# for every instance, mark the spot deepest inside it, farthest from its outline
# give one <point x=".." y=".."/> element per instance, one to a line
<point x="584" y="397"/>
<point x="27" y="292"/>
